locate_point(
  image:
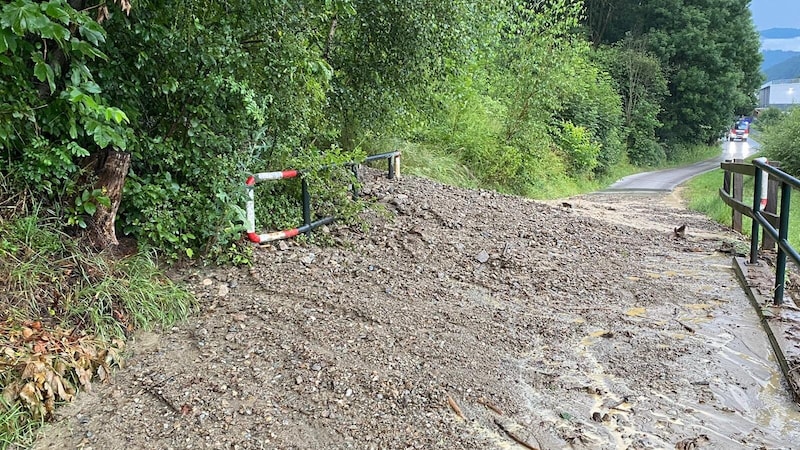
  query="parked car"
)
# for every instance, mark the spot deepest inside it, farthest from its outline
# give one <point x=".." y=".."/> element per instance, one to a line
<point x="740" y="131"/>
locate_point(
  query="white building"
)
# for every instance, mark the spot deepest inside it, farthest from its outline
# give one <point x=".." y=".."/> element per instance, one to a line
<point x="779" y="94"/>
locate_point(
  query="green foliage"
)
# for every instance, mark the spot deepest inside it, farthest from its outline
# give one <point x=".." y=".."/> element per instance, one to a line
<point x="779" y="142"/>
<point x="48" y="276"/>
<point x="703" y="194"/>
<point x="85" y="205"/>
<point x="768" y="117"/>
<point x="508" y="94"/>
<point x="642" y="86"/>
<point x="52" y="112"/>
<point x="581" y="152"/>
<point x="17" y="426"/>
<point x="708" y="52"/>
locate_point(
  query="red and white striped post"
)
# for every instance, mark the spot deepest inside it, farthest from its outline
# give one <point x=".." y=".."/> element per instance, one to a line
<point x="764" y="185"/>
<point x="251" y="207"/>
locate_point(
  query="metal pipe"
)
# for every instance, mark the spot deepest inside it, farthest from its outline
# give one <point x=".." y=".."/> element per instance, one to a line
<point x="318" y="223"/>
<point x="783" y="234"/>
<point x="354" y="185"/>
<point x="756" y="213"/>
<point x="306" y="203"/>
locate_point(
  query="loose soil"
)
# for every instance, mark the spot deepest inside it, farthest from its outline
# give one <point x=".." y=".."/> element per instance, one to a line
<point x="459" y="319"/>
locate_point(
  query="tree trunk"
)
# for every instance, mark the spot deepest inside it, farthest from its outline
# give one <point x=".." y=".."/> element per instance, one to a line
<point x="111" y="174"/>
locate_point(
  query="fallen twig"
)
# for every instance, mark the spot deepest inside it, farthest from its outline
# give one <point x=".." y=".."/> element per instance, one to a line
<point x="486" y="403"/>
<point x="514" y="436"/>
<point x="685" y="327"/>
<point x="454" y="407"/>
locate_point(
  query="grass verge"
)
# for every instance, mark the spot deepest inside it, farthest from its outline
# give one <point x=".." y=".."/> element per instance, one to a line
<point x="703" y="194"/>
<point x="64" y="315"/>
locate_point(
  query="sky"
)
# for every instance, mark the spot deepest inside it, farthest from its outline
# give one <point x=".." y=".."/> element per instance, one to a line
<point x="775" y="14"/>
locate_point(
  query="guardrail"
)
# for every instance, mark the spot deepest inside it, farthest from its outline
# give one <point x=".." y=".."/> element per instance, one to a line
<point x="393" y="172"/>
<point x="767" y="180"/>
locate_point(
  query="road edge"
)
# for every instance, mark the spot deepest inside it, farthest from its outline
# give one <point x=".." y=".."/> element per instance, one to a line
<point x="775" y="324"/>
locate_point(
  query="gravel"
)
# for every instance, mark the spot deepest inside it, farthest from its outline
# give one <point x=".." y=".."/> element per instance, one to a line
<point x="458" y="319"/>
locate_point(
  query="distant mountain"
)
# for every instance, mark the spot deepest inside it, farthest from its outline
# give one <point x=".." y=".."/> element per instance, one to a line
<point x="780" y="33"/>
<point x="773" y="57"/>
<point x="789" y="68"/>
<point x="780" y="48"/>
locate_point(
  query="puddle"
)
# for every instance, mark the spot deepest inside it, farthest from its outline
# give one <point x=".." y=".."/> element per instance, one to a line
<point x="729" y="387"/>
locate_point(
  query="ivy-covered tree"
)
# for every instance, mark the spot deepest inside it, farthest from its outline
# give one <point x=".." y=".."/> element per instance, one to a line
<point x="53" y="114"/>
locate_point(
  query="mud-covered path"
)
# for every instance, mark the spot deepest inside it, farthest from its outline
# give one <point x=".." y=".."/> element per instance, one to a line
<point x="460" y="320"/>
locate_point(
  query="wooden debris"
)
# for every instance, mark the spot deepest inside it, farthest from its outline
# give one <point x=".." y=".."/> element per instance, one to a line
<point x="514" y="436"/>
<point x="489" y="405"/>
<point x="454" y="407"/>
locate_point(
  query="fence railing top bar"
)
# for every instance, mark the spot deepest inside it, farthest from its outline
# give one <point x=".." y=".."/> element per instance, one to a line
<point x="381" y="156"/>
<point x="777" y="173"/>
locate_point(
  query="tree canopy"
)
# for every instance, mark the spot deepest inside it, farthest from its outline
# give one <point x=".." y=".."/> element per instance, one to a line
<point x="708" y="51"/>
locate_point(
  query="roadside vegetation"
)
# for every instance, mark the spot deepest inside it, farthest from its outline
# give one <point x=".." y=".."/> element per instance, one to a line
<point x="133" y="124"/>
<point x="65" y="314"/>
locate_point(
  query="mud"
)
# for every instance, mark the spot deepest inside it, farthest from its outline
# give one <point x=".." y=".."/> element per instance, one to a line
<point x="462" y="320"/>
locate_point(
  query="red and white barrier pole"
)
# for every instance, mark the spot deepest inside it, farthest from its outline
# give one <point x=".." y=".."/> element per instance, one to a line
<point x="250" y="207"/>
<point x="286" y="234"/>
<point x="764" y="185"/>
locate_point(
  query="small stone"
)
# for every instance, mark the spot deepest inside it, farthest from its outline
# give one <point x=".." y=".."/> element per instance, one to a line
<point x="348" y="393"/>
<point x="207" y="282"/>
<point x="482" y="257"/>
<point x="283" y="246"/>
<point x="223" y="290"/>
<point x="316" y="367"/>
<point x="308" y="259"/>
<point x="299" y="380"/>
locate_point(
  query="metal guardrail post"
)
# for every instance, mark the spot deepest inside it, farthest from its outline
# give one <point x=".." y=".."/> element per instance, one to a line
<point x="308" y="225"/>
<point x="783" y="235"/>
<point x="756" y="207"/>
<point x="306" y="203"/>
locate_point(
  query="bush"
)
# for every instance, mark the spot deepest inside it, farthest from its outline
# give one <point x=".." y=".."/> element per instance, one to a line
<point x="581" y="152"/>
<point x="780" y="143"/>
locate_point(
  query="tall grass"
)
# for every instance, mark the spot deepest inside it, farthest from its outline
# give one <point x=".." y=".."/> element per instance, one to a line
<point x="703" y="194"/>
<point x="48" y="278"/>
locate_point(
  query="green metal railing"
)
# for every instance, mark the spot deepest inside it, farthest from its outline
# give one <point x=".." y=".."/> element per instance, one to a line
<point x="763" y="211"/>
<point x="781" y="234"/>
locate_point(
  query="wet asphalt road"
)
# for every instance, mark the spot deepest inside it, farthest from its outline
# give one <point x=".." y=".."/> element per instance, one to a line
<point x="668" y="179"/>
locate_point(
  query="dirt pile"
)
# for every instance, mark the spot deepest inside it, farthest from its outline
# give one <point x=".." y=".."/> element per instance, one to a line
<point x="462" y="320"/>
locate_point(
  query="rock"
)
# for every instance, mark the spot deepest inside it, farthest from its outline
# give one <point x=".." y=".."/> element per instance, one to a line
<point x="482" y="257"/>
<point x="223" y="290"/>
<point x="207" y="282"/>
<point x="308" y="259"/>
<point x="283" y="246"/>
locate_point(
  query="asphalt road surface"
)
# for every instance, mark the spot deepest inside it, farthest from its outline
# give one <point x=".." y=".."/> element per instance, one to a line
<point x="668" y="179"/>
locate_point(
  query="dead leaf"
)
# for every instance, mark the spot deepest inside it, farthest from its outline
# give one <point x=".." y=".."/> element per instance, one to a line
<point x="26" y="333"/>
<point x="31" y="396"/>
